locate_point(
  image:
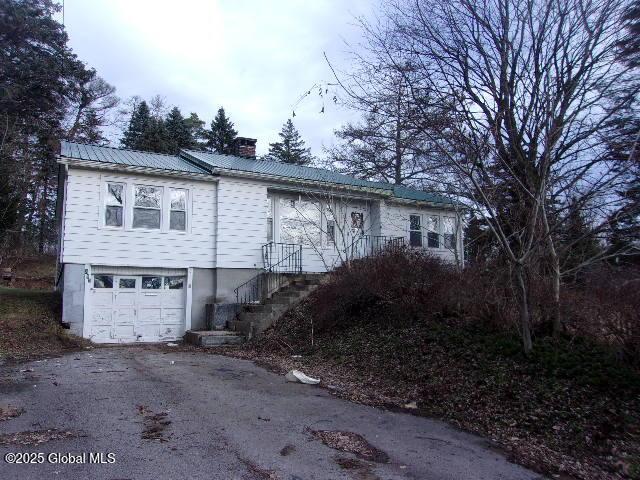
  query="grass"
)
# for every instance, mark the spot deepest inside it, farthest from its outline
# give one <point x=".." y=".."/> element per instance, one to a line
<point x="29" y="324"/>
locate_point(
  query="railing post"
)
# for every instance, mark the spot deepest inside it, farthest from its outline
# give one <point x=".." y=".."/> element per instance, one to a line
<point x="300" y="261"/>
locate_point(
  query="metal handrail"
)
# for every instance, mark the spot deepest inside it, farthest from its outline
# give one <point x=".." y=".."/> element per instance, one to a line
<point x="288" y="257"/>
<point x="281" y="259"/>
<point x="369" y="245"/>
<point x="259" y="287"/>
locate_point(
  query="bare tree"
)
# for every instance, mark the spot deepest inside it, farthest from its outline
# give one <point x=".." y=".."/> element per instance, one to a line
<point x="534" y="85"/>
<point x="385" y="145"/>
<point x="91" y="109"/>
<point x="336" y="226"/>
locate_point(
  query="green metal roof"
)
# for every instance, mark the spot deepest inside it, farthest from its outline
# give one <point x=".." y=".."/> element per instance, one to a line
<point x="268" y="167"/>
<point x="192" y="161"/>
<point x="121" y="156"/>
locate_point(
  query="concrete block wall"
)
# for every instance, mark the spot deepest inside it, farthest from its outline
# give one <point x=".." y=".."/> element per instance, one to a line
<point x="73" y="285"/>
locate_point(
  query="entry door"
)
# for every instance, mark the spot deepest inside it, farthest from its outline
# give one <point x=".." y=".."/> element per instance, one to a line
<point x="125" y="308"/>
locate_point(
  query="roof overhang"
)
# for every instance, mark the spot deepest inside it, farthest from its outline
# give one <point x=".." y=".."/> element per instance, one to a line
<point x="117" y="167"/>
<point x="425" y="203"/>
<point x="274" y="182"/>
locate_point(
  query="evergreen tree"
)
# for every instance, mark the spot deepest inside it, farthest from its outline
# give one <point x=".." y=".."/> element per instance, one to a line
<point x="197" y="132"/>
<point x="90" y="129"/>
<point x="222" y="134"/>
<point x="290" y="148"/>
<point x="624" y="151"/>
<point x="138" y="125"/>
<point x="40" y="82"/>
<point x="155" y="137"/>
<point x="577" y="239"/>
<point x="630" y="44"/>
<point x="178" y="134"/>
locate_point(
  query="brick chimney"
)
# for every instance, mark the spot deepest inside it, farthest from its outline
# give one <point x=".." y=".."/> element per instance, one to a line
<point x="245" y="147"/>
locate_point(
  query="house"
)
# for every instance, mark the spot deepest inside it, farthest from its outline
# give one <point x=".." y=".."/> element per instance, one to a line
<point x="147" y="240"/>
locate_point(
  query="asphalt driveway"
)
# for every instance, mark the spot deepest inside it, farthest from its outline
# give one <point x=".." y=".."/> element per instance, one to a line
<point x="177" y="414"/>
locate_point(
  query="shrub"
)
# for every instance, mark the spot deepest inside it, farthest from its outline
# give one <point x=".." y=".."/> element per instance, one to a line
<point x="403" y="288"/>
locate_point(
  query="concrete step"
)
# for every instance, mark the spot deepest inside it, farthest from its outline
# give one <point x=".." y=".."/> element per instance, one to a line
<point x="262" y="307"/>
<point x="280" y="300"/>
<point x="287" y="293"/>
<point x="213" y="338"/>
<point x="254" y="319"/>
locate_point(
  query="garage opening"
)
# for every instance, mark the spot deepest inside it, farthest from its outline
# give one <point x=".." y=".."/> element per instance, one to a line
<point x="125" y="308"/>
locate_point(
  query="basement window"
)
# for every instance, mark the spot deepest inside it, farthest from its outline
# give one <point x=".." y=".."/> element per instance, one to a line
<point x="114" y="205"/>
<point x="146" y="207"/>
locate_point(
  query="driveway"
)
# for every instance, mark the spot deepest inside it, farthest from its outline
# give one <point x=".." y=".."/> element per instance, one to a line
<point x="180" y="414"/>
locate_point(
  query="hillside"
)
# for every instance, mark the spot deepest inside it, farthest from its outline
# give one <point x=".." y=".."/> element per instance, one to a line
<point x="408" y="341"/>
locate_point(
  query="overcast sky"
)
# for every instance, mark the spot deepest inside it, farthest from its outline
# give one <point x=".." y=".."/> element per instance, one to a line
<point x="255" y="58"/>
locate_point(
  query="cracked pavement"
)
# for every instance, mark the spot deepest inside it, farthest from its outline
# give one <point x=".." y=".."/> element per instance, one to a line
<point x="183" y="414"/>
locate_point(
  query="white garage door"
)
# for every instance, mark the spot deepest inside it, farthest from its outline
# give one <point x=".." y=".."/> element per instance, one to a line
<point x="136" y="308"/>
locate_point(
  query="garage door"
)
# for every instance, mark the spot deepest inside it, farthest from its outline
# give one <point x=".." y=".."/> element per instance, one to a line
<point x="136" y="308"/>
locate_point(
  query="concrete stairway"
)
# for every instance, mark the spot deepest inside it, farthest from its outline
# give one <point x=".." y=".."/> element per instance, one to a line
<point x="213" y="338"/>
<point x="254" y="319"/>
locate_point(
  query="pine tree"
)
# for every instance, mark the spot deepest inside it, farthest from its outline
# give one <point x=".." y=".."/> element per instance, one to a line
<point x="155" y="137"/>
<point x="138" y="125"/>
<point x="290" y="148"/>
<point x="222" y="134"/>
<point x="90" y="129"/>
<point x="197" y="133"/>
<point x="630" y="44"/>
<point x="178" y="134"/>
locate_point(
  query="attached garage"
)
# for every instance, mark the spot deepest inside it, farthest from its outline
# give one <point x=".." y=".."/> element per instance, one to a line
<point x="126" y="305"/>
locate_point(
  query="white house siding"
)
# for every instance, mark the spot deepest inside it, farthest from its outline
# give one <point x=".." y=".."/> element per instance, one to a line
<point x="394" y="221"/>
<point x="87" y="241"/>
<point x="242" y="222"/>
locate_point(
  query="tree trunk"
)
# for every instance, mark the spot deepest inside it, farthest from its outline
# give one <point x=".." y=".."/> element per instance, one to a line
<point x="555" y="280"/>
<point x="523" y="305"/>
<point x="43" y="215"/>
<point x="555" y="318"/>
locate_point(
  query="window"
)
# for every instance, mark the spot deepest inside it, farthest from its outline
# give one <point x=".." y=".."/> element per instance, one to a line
<point x="269" y="207"/>
<point x="178" y="211"/>
<point x="415" y="230"/>
<point x="300" y="222"/>
<point x="125" y="283"/>
<point x="103" y="281"/>
<point x="433" y="232"/>
<point x="146" y="207"/>
<point x="114" y="203"/>
<point x="174" y="283"/>
<point x="151" y="283"/>
<point x="357" y="223"/>
<point x="449" y="236"/>
<point x="331" y="231"/>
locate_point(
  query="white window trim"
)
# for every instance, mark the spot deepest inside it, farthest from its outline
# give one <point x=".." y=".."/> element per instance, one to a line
<point x="438" y="231"/>
<point x="186" y="210"/>
<point x="454" y="233"/>
<point x="421" y="230"/>
<point x="162" y="226"/>
<point x="129" y="200"/>
<point x="103" y="204"/>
